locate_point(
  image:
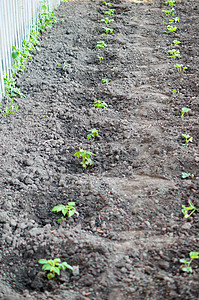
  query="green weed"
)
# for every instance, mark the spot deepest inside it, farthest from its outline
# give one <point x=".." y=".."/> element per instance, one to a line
<point x="174" y="20"/>
<point x="54" y="266"/>
<point x="86" y="157"/>
<point x="107" y="3"/>
<point x="100" y="104"/>
<point x="185" y="110"/>
<point x="105" y="80"/>
<point x="186" y="209"/>
<point x="110" y="12"/>
<point x="171" y="28"/>
<point x="93" y="133"/>
<point x="188" y="139"/>
<point x="108" y="30"/>
<point x="10" y="109"/>
<point x="186" y="267"/>
<point x="67" y="210"/>
<point x="174" y="53"/>
<point x="180" y="68"/>
<point x="175" y="43"/>
<point x="101" y="45"/>
<point x="100" y="59"/>
<point x="170" y="2"/>
<point x="169" y="12"/>
<point x="187" y="175"/>
<point x="107" y="20"/>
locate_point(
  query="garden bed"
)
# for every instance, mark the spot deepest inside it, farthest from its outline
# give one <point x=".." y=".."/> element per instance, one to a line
<point x="129" y="235"/>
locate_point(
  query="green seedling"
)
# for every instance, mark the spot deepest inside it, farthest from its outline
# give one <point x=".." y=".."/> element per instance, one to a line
<point x="105" y="80"/>
<point x="107" y="3"/>
<point x="170" y="2"/>
<point x="100" y="59"/>
<point x="186" y="267"/>
<point x="185" y="110"/>
<point x="86" y="157"/>
<point x="100" y="104"/>
<point x="107" y="20"/>
<point x="169" y="12"/>
<point x="110" y="12"/>
<point x="108" y="30"/>
<point x="187" y="175"/>
<point x="10" y="109"/>
<point x="93" y="133"/>
<point x="175" y="43"/>
<point x="171" y="28"/>
<point x="101" y="45"/>
<point x="180" y="68"/>
<point x="54" y="266"/>
<point x="174" y="53"/>
<point x="175" y="91"/>
<point x="187" y="138"/>
<point x="174" y="20"/>
<point x="67" y="210"/>
<point x="10" y="88"/>
<point x="186" y="209"/>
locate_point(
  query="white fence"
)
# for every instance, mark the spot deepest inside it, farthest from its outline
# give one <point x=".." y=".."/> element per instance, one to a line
<point x="16" y="20"/>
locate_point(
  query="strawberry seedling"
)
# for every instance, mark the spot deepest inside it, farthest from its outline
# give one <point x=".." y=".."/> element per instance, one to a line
<point x="169" y="12"/>
<point x="174" y="53"/>
<point x="105" y="80"/>
<point x="100" y="104"/>
<point x="171" y="28"/>
<point x="108" y="30"/>
<point x="100" y="59"/>
<point x="186" y="267"/>
<point x="107" y="3"/>
<point x="175" y="43"/>
<point x="67" y="210"/>
<point x="107" y="20"/>
<point x="186" y="209"/>
<point x="174" y="20"/>
<point x="188" y="139"/>
<point x="170" y="2"/>
<point x="93" y="133"/>
<point x="54" y="266"/>
<point x="110" y="12"/>
<point x="10" y="109"/>
<point x="101" y="45"/>
<point x="185" y="110"/>
<point x="187" y="175"/>
<point x="180" y="68"/>
<point x="86" y="157"/>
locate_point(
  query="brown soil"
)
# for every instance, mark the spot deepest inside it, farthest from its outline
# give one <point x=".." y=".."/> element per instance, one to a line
<point x="130" y="234"/>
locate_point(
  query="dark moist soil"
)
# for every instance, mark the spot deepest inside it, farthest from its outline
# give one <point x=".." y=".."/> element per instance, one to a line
<point x="130" y="234"/>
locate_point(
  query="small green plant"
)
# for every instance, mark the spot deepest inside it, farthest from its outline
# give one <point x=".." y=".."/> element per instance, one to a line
<point x="10" y="109"/>
<point x="107" y="20"/>
<point x="100" y="104"/>
<point x="54" y="266"/>
<point x="174" y="20"/>
<point x="169" y="12"/>
<point x="188" y="139"/>
<point x="186" y="267"/>
<point x="171" y="28"/>
<point x="67" y="210"/>
<point x="108" y="30"/>
<point x="10" y="88"/>
<point x="101" y="45"/>
<point x="174" y="53"/>
<point x="187" y="175"/>
<point x="110" y="12"/>
<point x="93" y="133"/>
<point x="170" y="2"/>
<point x="180" y="68"/>
<point x="86" y="157"/>
<point x="105" y="80"/>
<point x="175" y="43"/>
<point x="107" y="3"/>
<point x="186" y="209"/>
<point x="175" y="91"/>
<point x="100" y="59"/>
<point x="185" y="110"/>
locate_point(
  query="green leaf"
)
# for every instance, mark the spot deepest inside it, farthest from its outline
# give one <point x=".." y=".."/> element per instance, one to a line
<point x="58" y="208"/>
<point x="56" y="270"/>
<point x="187" y="269"/>
<point x="15" y="54"/>
<point x="70" y="213"/>
<point x="46" y="267"/>
<point x="194" y="254"/>
<point x="42" y="261"/>
<point x="57" y="260"/>
<point x="65" y="265"/>
<point x="184" y="261"/>
<point x="51" y="276"/>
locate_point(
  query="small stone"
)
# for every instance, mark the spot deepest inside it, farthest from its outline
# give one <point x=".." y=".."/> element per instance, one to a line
<point x="75" y="270"/>
<point x="186" y="226"/>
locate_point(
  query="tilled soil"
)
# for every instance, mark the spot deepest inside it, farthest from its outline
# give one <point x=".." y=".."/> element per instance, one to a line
<point x="130" y="233"/>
